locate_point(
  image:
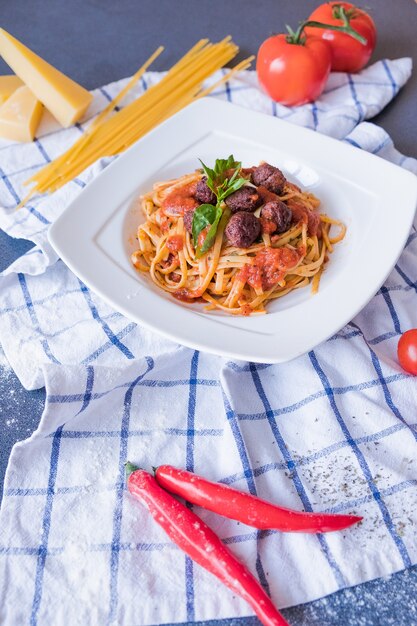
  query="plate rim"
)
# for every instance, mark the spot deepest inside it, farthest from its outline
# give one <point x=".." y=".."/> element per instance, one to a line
<point x="216" y="107"/>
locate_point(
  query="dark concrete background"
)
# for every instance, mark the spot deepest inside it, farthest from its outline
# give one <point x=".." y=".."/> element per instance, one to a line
<point x="99" y="41"/>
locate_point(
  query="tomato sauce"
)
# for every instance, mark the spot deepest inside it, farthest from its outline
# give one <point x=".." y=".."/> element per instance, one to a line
<point x="175" y="277"/>
<point x="170" y="261"/>
<point x="269" y="267"/>
<point x="246" y="172"/>
<point x="300" y="213"/>
<point x="175" y="243"/>
<point x="185" y="295"/>
<point x="165" y="223"/>
<point x="266" y="195"/>
<point x="268" y="226"/>
<point x="243" y="274"/>
<point x="180" y="200"/>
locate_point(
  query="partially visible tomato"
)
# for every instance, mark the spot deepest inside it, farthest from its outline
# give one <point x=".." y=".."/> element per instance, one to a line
<point x="293" y="73"/>
<point x="348" y="54"/>
<point x="407" y="351"/>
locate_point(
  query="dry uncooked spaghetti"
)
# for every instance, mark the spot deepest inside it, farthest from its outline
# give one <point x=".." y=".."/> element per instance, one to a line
<point x="289" y="250"/>
<point x="112" y="134"/>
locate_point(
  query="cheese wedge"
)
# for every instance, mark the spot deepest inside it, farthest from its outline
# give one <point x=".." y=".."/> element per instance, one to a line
<point x="20" y="115"/>
<point x="8" y="84"/>
<point x="65" y="99"/>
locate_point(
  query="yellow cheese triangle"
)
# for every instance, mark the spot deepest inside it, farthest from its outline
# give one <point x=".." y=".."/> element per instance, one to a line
<point x="8" y="84"/>
<point x="20" y="115"/>
<point x="66" y="100"/>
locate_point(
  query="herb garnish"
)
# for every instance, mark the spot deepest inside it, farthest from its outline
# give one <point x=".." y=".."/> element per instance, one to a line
<point x="217" y="179"/>
<point x="222" y="186"/>
<point x="206" y="215"/>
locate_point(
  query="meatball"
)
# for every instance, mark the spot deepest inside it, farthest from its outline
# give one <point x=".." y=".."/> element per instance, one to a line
<point x="243" y="229"/>
<point x="277" y="215"/>
<point x="244" y="199"/>
<point x="188" y="220"/>
<point x="203" y="193"/>
<point x="269" y="176"/>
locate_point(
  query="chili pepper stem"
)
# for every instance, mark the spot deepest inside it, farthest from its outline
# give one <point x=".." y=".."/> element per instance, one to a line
<point x="130" y="468"/>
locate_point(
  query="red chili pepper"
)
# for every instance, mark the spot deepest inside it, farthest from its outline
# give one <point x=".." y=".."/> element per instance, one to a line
<point x="245" y="507"/>
<point x="201" y="544"/>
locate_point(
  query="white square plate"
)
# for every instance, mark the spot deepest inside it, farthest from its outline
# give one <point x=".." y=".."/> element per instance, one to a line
<point x="96" y="234"/>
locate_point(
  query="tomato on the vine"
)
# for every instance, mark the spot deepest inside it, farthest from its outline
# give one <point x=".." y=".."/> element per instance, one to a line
<point x="348" y="54"/>
<point x="293" y="68"/>
<point x="407" y="351"/>
<point x="293" y="72"/>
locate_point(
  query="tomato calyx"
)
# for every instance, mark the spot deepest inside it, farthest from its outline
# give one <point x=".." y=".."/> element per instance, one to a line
<point x="339" y="13"/>
<point x="298" y="37"/>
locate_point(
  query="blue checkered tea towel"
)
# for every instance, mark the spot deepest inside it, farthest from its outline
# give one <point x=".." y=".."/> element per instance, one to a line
<point x="333" y="430"/>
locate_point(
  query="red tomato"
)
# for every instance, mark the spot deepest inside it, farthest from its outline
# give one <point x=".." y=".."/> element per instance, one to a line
<point x="407" y="351"/>
<point x="293" y="73"/>
<point x="348" y="54"/>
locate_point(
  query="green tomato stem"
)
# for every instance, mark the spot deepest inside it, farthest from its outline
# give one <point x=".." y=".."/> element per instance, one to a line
<point x="298" y="38"/>
<point x="339" y="13"/>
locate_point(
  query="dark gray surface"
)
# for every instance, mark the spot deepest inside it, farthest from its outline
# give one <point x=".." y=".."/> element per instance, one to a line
<point x="98" y="41"/>
<point x="20" y="411"/>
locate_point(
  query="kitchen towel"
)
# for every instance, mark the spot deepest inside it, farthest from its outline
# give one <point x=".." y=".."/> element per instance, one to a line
<point x="333" y="430"/>
<point x="348" y="100"/>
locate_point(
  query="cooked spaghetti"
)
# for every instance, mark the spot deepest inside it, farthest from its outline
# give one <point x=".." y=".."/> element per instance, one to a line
<point x="235" y="238"/>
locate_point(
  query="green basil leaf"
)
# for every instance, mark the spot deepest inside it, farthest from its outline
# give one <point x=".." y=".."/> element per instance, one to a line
<point x="234" y="176"/>
<point x="222" y="165"/>
<point x="204" y="216"/>
<point x="210" y="175"/>
<point x="237" y="175"/>
<point x="216" y="177"/>
<point x="238" y="183"/>
<point x="211" y="235"/>
<point x="207" y="170"/>
<point x="208" y="215"/>
<point x="221" y="190"/>
<point x="231" y="187"/>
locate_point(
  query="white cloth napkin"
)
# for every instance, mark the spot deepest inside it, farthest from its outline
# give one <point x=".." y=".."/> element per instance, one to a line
<point x="333" y="430"/>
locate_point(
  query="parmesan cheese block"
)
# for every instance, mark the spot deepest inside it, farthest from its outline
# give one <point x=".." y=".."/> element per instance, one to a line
<point x="20" y="115"/>
<point x="65" y="99"/>
<point x="8" y="84"/>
